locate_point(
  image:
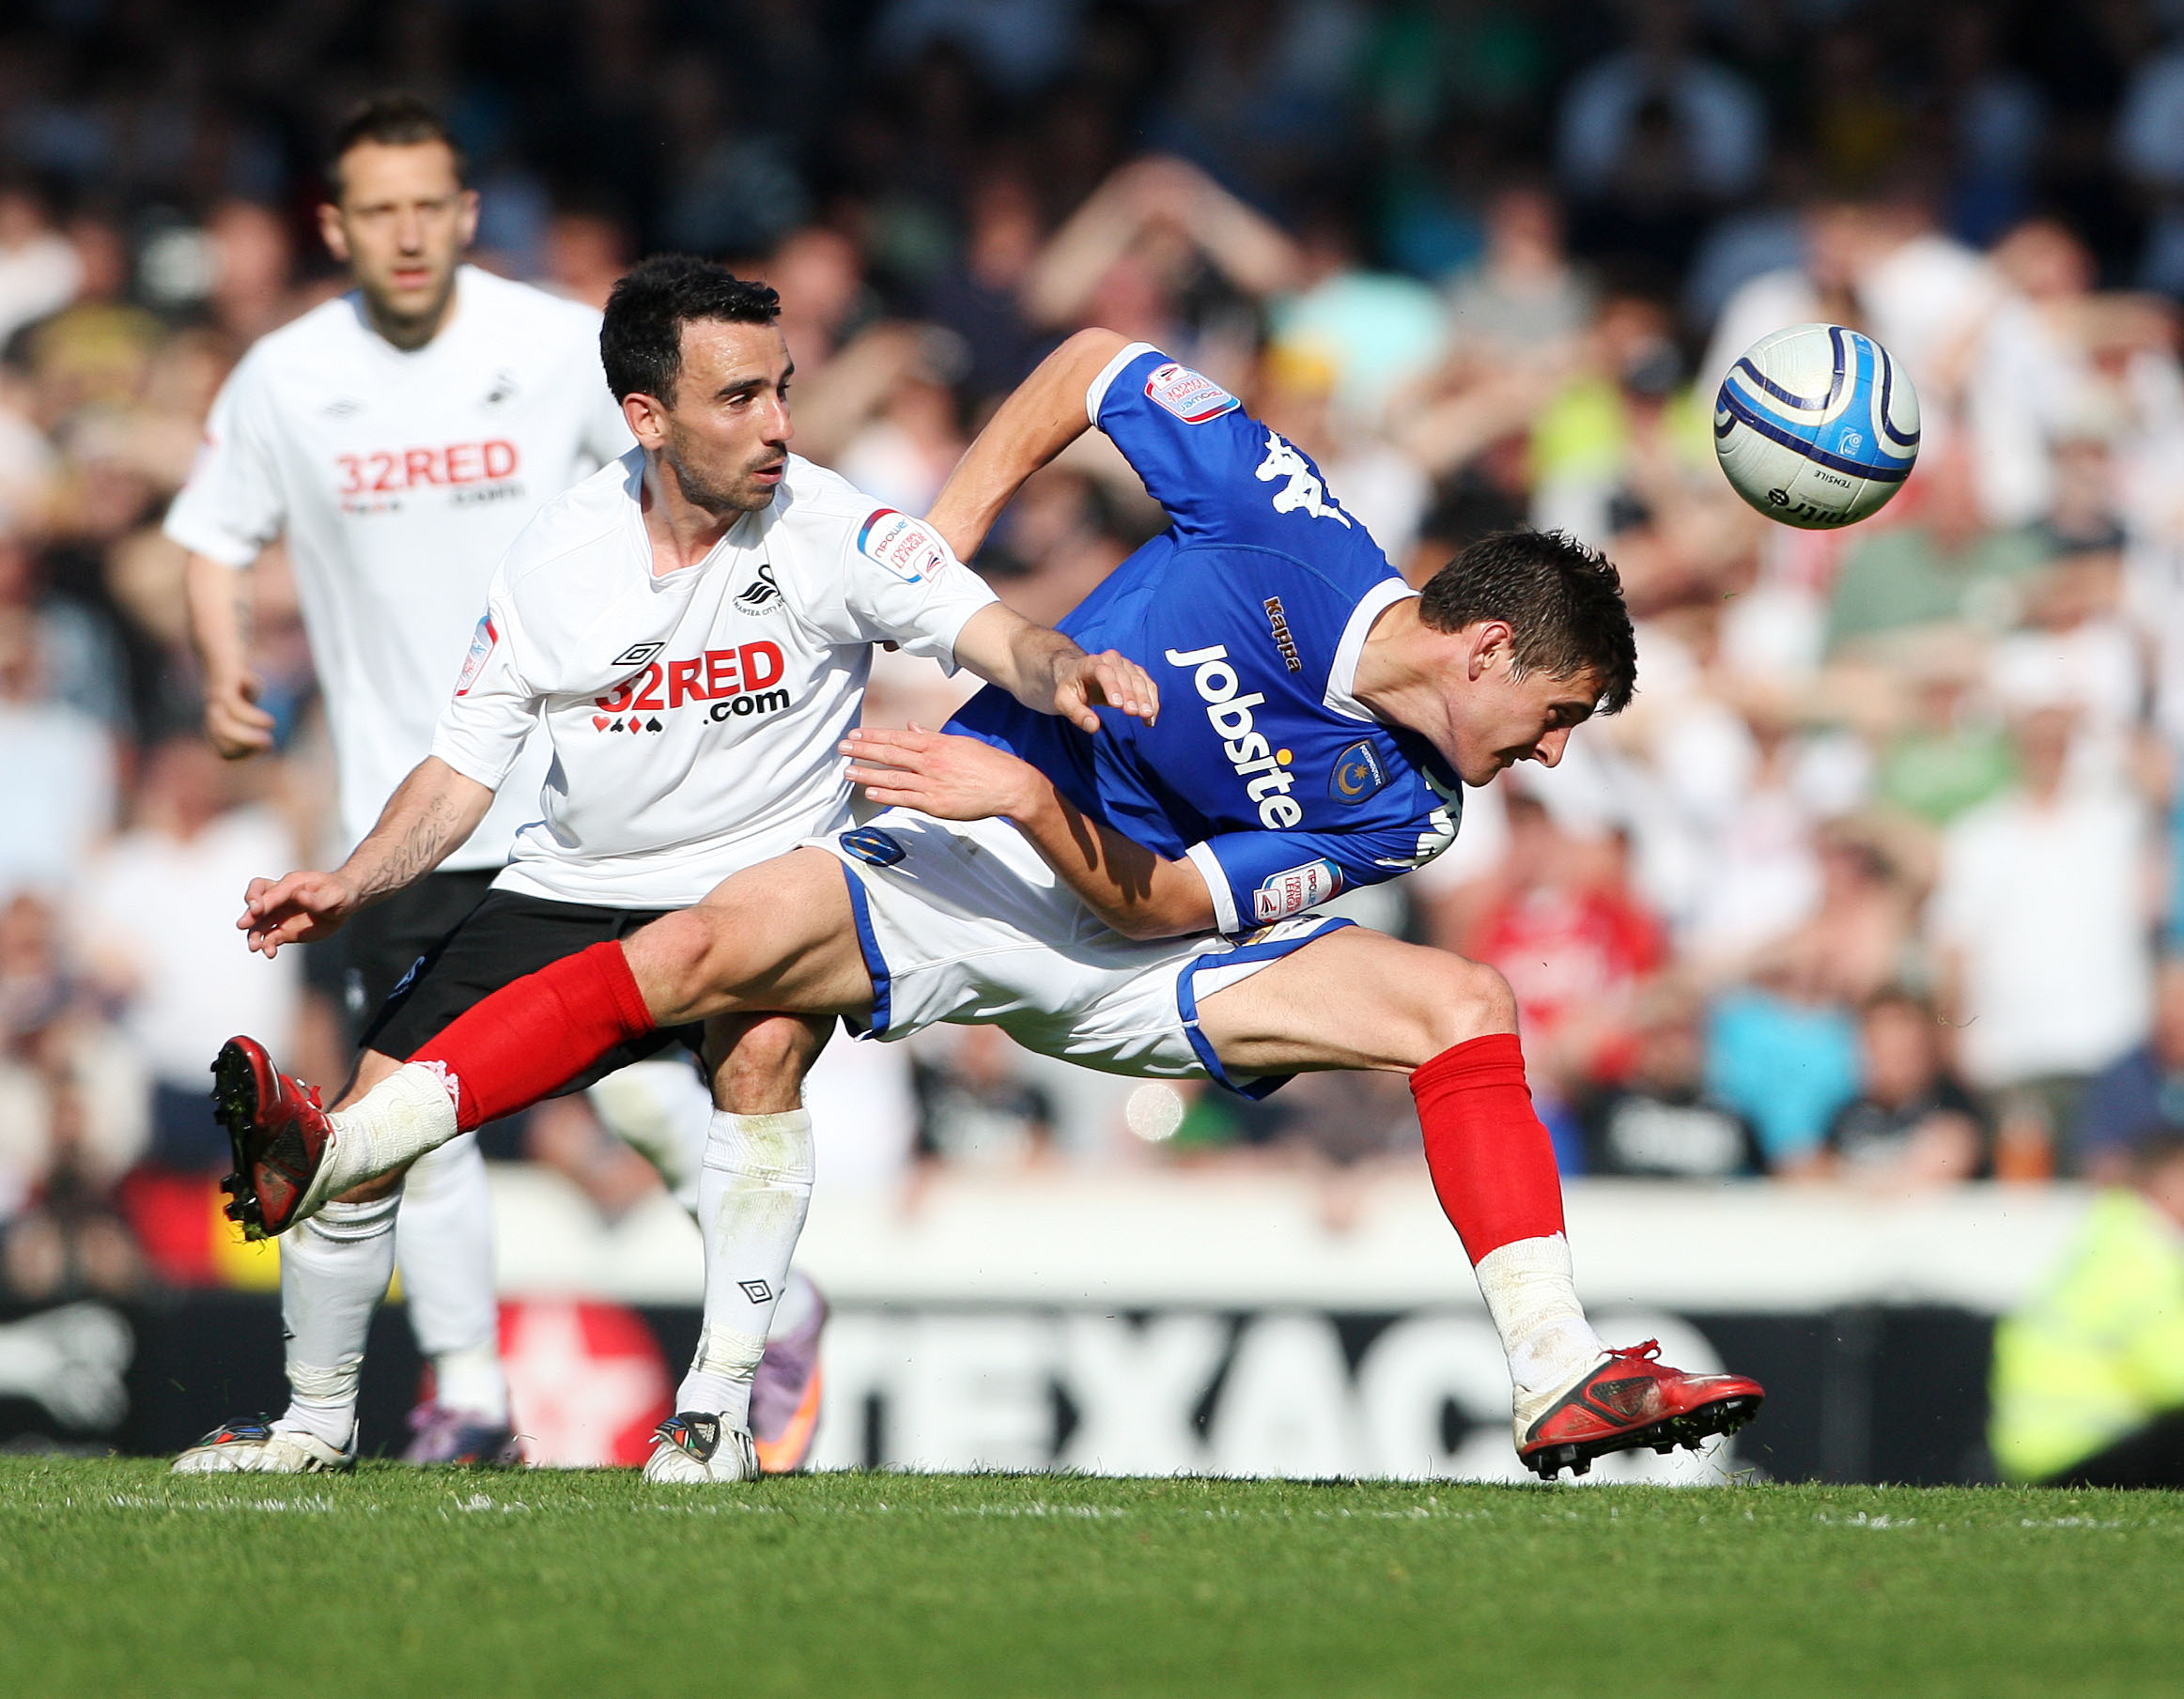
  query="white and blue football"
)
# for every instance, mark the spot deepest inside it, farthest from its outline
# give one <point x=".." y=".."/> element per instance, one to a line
<point x="1816" y="426"/>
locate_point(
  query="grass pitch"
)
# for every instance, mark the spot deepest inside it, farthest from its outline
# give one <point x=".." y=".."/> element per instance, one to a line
<point x="119" y="1578"/>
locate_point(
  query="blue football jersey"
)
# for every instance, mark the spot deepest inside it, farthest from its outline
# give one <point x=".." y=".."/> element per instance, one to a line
<point x="1249" y="613"/>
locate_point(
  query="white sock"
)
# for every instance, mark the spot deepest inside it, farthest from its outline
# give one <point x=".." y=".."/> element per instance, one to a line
<point x="1533" y="1299"/>
<point x="334" y="1269"/>
<point x="662" y="1110"/>
<point x="409" y="1112"/>
<point x="753" y="1197"/>
<point x="445" y="1248"/>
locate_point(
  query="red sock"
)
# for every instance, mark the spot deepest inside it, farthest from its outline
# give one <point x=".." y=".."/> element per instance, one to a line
<point x="1492" y="1161"/>
<point x="538" y="1032"/>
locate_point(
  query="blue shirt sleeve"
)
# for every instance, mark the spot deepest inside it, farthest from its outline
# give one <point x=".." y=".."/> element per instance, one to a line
<point x="1260" y="877"/>
<point x="1217" y="472"/>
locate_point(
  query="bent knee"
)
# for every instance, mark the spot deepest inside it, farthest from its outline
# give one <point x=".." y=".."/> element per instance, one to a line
<point x="763" y="1071"/>
<point x="1460" y="1000"/>
<point x="678" y="957"/>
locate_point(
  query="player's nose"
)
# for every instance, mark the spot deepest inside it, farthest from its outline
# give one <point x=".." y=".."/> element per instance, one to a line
<point x="1548" y="751"/>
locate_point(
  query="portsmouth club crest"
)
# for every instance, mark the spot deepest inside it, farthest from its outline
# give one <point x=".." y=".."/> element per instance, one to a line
<point x="1357" y="773"/>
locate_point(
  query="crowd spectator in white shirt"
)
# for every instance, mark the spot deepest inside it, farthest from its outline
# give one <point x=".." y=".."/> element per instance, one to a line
<point x="2039" y="916"/>
<point x="157" y="915"/>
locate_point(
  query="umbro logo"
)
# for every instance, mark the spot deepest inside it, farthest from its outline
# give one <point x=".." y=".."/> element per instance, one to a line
<point x="638" y="654"/>
<point x="761" y="595"/>
<point x="502" y="389"/>
<point x="758" y="1291"/>
<point x="341" y="406"/>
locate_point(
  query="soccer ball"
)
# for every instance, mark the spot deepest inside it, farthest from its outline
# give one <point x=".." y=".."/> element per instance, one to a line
<point x="1816" y="426"/>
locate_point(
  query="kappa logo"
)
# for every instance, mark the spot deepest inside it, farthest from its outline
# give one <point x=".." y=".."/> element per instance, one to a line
<point x="1191" y="396"/>
<point x="1282" y="641"/>
<point x="909" y="548"/>
<point x="761" y="595"/>
<point x="1357" y="774"/>
<point x="1441" y="824"/>
<point x="1301" y="488"/>
<point x="871" y="845"/>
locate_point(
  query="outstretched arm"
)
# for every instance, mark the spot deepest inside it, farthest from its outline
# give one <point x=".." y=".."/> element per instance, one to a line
<point x="1043" y="417"/>
<point x="1139" y="893"/>
<point x="1046" y="672"/>
<point x="425" y="821"/>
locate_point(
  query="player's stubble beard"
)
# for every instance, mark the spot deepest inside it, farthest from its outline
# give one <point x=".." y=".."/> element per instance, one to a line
<point x="407" y="330"/>
<point x="726" y="496"/>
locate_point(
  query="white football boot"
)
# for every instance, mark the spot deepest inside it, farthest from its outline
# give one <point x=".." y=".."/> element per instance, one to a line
<point x="254" y="1446"/>
<point x="693" y="1449"/>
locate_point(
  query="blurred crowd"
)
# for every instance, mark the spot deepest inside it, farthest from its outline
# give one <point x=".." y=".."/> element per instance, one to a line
<point x="1877" y="880"/>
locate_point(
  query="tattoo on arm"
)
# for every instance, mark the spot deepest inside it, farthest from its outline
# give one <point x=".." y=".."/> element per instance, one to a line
<point x="416" y="854"/>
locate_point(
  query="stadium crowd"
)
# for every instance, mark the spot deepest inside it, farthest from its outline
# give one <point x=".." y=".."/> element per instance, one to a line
<point x="1877" y="881"/>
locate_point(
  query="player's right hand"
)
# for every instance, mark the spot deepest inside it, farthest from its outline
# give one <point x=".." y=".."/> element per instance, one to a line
<point x="233" y="721"/>
<point x="297" y="908"/>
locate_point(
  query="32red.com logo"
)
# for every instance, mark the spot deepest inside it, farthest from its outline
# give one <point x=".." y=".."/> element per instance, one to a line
<point x="737" y="684"/>
<point x="390" y="472"/>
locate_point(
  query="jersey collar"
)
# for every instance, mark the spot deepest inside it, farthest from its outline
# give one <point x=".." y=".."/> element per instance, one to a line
<point x="1342" y="675"/>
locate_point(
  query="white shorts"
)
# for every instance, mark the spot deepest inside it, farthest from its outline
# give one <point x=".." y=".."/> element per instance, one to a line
<point x="963" y="921"/>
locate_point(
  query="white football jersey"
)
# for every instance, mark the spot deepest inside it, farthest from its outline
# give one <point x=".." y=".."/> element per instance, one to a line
<point x="693" y="718"/>
<point x="400" y="480"/>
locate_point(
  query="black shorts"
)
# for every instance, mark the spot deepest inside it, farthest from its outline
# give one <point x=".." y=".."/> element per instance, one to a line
<point x="505" y="937"/>
<point x="361" y="963"/>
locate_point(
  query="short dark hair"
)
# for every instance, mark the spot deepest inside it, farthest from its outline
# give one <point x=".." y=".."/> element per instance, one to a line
<point x="392" y="120"/>
<point x="1562" y="600"/>
<point x="641" y="339"/>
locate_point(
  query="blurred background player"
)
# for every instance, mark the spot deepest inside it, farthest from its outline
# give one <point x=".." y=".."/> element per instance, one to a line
<point x="398" y="437"/>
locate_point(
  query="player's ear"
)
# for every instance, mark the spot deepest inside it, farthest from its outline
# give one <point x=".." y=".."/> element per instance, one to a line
<point x="645" y="418"/>
<point x="330" y="232"/>
<point x="1490" y="640"/>
<point x="465" y="216"/>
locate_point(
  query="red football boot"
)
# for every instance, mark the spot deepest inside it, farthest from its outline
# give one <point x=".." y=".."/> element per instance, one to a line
<point x="278" y="1133"/>
<point x="1630" y="1400"/>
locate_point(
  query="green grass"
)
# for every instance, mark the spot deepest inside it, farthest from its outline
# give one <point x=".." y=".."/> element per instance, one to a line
<point x="119" y="1579"/>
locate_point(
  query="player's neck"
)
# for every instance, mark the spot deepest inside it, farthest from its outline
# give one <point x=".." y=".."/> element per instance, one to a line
<point x="1398" y="667"/>
<point x="681" y="532"/>
<point x="409" y="334"/>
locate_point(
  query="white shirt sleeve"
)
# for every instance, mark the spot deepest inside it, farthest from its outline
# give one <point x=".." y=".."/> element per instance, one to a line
<point x="901" y="585"/>
<point x="232" y="505"/>
<point x="482" y="729"/>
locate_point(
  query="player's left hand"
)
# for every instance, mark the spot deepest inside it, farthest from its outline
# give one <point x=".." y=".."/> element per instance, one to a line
<point x="1106" y="679"/>
<point x="940" y="774"/>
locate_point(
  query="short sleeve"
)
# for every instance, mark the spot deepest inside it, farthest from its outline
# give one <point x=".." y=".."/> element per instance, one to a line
<point x="1260" y="877"/>
<point x="232" y="508"/>
<point x="482" y="729"/>
<point x="1215" y="469"/>
<point x="902" y="584"/>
